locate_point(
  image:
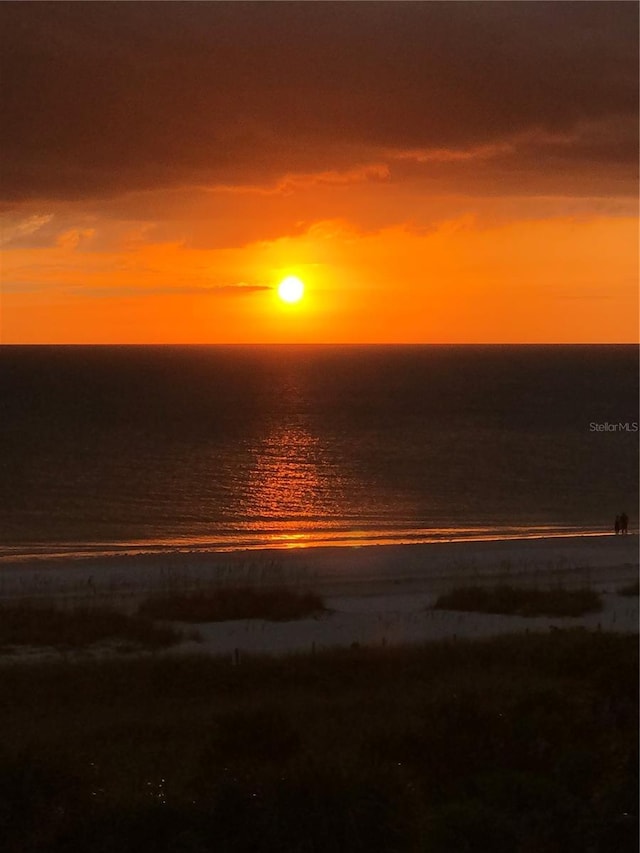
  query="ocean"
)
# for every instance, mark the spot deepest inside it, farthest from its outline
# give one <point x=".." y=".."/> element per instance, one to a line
<point x="143" y="448"/>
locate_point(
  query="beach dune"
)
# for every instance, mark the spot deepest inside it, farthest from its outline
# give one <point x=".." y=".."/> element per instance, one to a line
<point x="375" y="595"/>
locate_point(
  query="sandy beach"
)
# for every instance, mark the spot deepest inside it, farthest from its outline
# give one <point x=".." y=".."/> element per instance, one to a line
<point x="374" y="595"/>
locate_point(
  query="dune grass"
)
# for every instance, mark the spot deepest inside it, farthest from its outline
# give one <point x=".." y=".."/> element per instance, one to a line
<point x="521" y="601"/>
<point x="29" y="624"/>
<point x="277" y="604"/>
<point x="41" y="624"/>
<point x="513" y="745"/>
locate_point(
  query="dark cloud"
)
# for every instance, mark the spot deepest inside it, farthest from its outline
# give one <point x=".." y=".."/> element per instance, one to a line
<point x="103" y="98"/>
<point x="127" y="291"/>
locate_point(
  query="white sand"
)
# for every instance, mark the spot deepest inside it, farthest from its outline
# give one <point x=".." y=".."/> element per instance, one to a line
<point x="376" y="595"/>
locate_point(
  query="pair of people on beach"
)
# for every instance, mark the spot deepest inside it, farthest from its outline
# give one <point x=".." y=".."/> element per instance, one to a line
<point x="622" y="523"/>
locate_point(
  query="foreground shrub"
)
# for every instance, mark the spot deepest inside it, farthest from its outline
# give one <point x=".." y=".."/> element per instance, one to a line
<point x="312" y="811"/>
<point x="261" y="735"/>
<point x="630" y="590"/>
<point x="520" y="601"/>
<point x="520" y="744"/>
<point x="275" y="604"/>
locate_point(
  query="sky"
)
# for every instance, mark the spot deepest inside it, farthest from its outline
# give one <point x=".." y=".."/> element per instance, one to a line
<point x="434" y="172"/>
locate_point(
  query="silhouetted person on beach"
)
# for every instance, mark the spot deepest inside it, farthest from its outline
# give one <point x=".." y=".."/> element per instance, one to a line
<point x="616" y="526"/>
<point x="624" y="523"/>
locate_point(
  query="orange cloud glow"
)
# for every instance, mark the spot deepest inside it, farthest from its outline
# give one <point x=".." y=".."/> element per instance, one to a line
<point x="433" y="172"/>
<point x="562" y="280"/>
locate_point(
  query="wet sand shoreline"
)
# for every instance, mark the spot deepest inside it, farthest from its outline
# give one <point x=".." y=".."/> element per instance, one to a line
<point x="361" y="570"/>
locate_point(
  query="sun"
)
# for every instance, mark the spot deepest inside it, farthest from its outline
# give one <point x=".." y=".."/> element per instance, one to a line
<point x="291" y="289"/>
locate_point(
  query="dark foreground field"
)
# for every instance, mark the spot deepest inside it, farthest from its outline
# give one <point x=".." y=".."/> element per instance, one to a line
<point x="526" y="744"/>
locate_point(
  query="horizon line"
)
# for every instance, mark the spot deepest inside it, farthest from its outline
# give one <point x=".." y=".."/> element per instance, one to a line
<point x="316" y="343"/>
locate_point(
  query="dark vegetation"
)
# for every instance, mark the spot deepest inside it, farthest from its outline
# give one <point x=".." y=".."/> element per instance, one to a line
<point x="71" y="628"/>
<point x="630" y="590"/>
<point x="277" y="604"/>
<point x="64" y="627"/>
<point x="521" y="601"/>
<point x="524" y="744"/>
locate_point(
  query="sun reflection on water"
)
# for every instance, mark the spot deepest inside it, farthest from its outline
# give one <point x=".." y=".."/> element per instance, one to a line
<point x="293" y="483"/>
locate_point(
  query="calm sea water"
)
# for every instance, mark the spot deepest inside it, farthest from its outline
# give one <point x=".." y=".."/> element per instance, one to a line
<point x="236" y="447"/>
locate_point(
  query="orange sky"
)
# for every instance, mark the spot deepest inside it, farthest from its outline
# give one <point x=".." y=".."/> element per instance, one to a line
<point x="494" y="221"/>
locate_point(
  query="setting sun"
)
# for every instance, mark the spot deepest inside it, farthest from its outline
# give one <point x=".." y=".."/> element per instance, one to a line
<point x="291" y="289"/>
